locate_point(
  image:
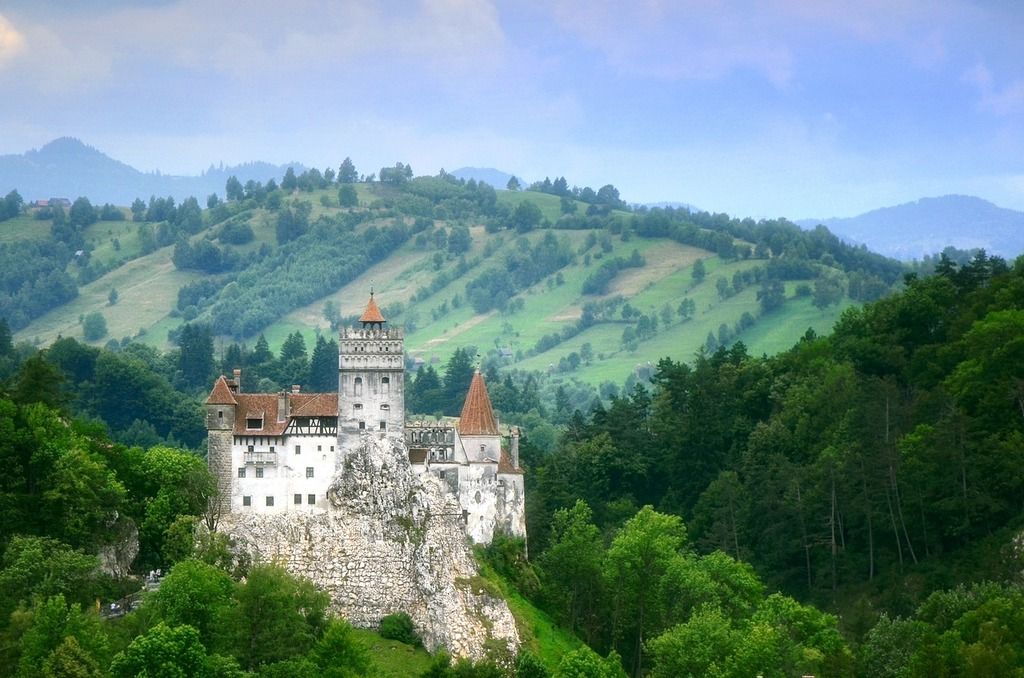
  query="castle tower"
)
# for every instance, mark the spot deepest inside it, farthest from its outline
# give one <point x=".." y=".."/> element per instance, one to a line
<point x="371" y="389"/>
<point x="477" y="425"/>
<point x="220" y="426"/>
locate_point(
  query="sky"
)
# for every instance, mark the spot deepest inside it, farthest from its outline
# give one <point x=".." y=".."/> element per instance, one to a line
<point x="796" y="108"/>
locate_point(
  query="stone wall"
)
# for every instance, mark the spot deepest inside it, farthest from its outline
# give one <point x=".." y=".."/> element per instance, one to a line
<point x="390" y="541"/>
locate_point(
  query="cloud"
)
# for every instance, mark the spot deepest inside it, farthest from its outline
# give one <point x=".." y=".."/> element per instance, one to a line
<point x="264" y="38"/>
<point x="11" y="41"/>
<point x="1002" y="101"/>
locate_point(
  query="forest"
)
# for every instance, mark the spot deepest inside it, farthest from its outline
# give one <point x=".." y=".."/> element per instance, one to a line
<point x="848" y="507"/>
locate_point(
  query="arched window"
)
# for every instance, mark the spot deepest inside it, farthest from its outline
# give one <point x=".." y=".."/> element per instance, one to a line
<point x="385" y="385"/>
<point x="357" y="386"/>
<point x="385" y="406"/>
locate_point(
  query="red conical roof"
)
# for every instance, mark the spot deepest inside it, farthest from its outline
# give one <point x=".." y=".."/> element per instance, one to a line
<point x="477" y="415"/>
<point x="221" y="394"/>
<point x="372" y="314"/>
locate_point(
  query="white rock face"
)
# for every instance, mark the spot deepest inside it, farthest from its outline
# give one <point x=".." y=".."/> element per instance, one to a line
<point x="390" y="541"/>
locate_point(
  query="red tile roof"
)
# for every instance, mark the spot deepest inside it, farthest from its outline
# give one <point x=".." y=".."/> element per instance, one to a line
<point x="505" y="465"/>
<point x="221" y="394"/>
<point x="255" y="404"/>
<point x="372" y="314"/>
<point x="314" y="404"/>
<point x="477" y="417"/>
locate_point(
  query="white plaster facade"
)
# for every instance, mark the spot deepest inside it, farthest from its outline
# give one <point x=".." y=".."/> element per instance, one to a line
<point x="280" y="453"/>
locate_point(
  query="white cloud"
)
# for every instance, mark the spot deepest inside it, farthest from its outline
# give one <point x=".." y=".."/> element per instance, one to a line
<point x="11" y="41"/>
<point x="262" y="39"/>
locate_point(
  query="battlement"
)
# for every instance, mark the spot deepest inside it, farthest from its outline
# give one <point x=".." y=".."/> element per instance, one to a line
<point x="394" y="333"/>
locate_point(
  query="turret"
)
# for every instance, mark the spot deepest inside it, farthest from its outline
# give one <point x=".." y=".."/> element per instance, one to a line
<point x="220" y="426"/>
<point x="477" y="425"/>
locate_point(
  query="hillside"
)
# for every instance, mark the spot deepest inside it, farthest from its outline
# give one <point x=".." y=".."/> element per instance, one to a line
<point x="523" y="314"/>
<point x="68" y="168"/>
<point x="927" y="226"/>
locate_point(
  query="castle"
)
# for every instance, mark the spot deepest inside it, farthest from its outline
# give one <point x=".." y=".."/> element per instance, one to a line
<point x="281" y="453"/>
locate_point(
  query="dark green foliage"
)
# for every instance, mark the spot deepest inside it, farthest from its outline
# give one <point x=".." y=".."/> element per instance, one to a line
<point x="195" y="355"/>
<point x="33" y="279"/>
<point x="11" y="205"/>
<point x="318" y="262"/>
<point x="275" y="617"/>
<point x="203" y="256"/>
<point x="598" y="281"/>
<point x="323" y="366"/>
<point x="522" y="266"/>
<point x="236" y="233"/>
<point x="347" y="196"/>
<point x="398" y="626"/>
<point x="457" y="375"/>
<point x="425" y="395"/>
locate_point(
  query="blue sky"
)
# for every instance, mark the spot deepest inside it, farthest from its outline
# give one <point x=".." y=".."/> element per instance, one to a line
<point x="787" y="108"/>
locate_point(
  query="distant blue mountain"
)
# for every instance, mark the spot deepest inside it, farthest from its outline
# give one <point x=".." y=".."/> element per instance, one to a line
<point x="927" y="226"/>
<point x="68" y="168"/>
<point x="488" y="175"/>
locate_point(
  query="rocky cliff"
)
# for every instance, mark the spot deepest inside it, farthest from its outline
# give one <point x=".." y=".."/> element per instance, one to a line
<point x="390" y="541"/>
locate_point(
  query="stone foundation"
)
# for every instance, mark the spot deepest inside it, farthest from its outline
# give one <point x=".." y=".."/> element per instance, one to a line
<point x="390" y="541"/>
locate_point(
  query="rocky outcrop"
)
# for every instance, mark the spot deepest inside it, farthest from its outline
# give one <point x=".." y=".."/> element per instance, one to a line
<point x="390" y="541"/>
<point x="116" y="557"/>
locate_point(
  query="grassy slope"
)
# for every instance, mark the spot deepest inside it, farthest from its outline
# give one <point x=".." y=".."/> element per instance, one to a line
<point x="538" y="632"/>
<point x="392" y="658"/>
<point x="148" y="287"/>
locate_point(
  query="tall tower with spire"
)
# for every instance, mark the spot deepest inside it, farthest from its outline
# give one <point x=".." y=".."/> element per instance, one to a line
<point x="371" y="388"/>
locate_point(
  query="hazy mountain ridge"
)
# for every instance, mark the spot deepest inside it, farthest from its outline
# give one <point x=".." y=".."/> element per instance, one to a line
<point x="928" y="225"/>
<point x="488" y="175"/>
<point x="68" y="168"/>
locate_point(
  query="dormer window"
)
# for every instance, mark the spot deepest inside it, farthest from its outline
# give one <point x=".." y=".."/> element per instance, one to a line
<point x="253" y="423"/>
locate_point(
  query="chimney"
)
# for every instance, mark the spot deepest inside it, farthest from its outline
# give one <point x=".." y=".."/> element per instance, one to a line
<point x="235" y="383"/>
<point x="295" y="388"/>
<point x="282" y="406"/>
<point x="514" y="451"/>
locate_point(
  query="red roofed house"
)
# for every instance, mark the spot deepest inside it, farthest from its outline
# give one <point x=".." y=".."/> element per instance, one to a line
<point x="277" y="453"/>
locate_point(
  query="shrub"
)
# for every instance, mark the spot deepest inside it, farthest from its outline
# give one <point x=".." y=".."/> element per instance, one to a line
<point x="398" y="626"/>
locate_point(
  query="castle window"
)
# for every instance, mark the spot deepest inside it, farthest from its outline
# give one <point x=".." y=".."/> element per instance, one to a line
<point x="298" y="499"/>
<point x="251" y="448"/>
<point x="220" y="414"/>
<point x="441" y="475"/>
<point x="246" y="501"/>
<point x="270" y="501"/>
<point x="385" y="406"/>
<point x="298" y="449"/>
<point x="310" y="499"/>
<point x="383" y="426"/>
<point x="259" y="471"/>
<point x="385" y="385"/>
<point x="357" y="387"/>
<point x="309" y="471"/>
<point x="319" y="448"/>
<point x="271" y="448"/>
<point x="241" y="472"/>
<point x="332" y="448"/>
<point x="253" y="424"/>
<point x="362" y="425"/>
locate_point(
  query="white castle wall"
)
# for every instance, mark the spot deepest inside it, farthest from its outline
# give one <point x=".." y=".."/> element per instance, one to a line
<point x="389" y="540"/>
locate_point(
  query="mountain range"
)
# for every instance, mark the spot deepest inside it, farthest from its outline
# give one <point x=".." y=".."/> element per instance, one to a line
<point x="68" y="168"/>
<point x="928" y="225"/>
